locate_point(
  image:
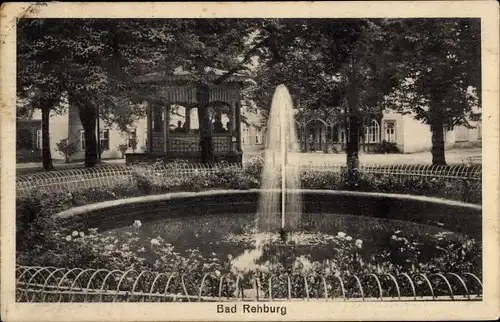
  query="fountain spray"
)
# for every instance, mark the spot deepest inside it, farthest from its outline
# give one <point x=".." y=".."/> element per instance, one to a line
<point x="283" y="150"/>
<point x="278" y="162"/>
<point x="278" y="159"/>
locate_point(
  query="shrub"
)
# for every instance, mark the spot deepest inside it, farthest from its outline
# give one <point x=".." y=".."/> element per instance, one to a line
<point x="46" y="241"/>
<point x="255" y="165"/>
<point x="385" y="147"/>
<point x="133" y="143"/>
<point x="31" y="207"/>
<point x="66" y="149"/>
<point x="123" y="149"/>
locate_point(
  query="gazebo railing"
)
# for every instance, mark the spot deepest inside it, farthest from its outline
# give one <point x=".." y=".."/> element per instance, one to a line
<point x="51" y="284"/>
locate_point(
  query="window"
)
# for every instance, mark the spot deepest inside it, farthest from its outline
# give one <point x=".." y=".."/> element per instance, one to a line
<point x="39" y="139"/>
<point x="336" y="133"/>
<point x="82" y="140"/>
<point x="258" y="136"/>
<point x="298" y="131"/>
<point x="246" y="136"/>
<point x="390" y="131"/>
<point x="372" y="133"/>
<point x="329" y="133"/>
<point x="343" y="135"/>
<point x="104" y="139"/>
<point x="132" y="139"/>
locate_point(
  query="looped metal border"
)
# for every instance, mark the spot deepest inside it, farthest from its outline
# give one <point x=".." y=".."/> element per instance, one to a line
<point x="52" y="284"/>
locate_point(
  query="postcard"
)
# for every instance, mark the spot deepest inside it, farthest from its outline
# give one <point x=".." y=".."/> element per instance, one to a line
<point x="267" y="161"/>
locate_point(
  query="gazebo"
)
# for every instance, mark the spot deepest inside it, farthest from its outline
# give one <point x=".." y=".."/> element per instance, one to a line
<point x="208" y="104"/>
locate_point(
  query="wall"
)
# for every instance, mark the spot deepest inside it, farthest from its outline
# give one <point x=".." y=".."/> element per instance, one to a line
<point x="400" y="128"/>
<point x="249" y="134"/>
<point x="116" y="137"/>
<point x="58" y="129"/>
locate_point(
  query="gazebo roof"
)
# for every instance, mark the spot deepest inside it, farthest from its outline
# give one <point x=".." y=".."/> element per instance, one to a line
<point x="180" y="76"/>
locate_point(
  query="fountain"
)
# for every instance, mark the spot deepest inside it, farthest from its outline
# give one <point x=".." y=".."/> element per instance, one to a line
<point x="279" y="210"/>
<point x="280" y="165"/>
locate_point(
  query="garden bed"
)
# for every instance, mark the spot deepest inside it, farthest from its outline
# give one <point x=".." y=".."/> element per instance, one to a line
<point x="43" y="240"/>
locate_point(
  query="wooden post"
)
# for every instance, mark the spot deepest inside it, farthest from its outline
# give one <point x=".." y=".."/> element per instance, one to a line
<point x="231" y="115"/>
<point x="166" y="123"/>
<point x="238" y="125"/>
<point x="233" y="118"/>
<point x="149" y="111"/>
<point x="187" y="119"/>
<point x="206" y="148"/>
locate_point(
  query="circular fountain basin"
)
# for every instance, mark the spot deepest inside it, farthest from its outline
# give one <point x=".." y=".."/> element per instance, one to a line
<point x="224" y="220"/>
<point x="442" y="214"/>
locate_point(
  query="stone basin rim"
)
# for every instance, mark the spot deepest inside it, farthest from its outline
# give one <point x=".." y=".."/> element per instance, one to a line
<point x="81" y="210"/>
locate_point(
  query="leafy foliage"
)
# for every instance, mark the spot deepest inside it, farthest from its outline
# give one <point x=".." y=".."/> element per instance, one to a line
<point x="66" y="149"/>
<point x="442" y="78"/>
<point x="427" y="67"/>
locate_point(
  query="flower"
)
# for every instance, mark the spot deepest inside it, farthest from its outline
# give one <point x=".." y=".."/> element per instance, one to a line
<point x="74" y="233"/>
<point x="155" y="241"/>
<point x="82" y="234"/>
<point x="393" y="237"/>
<point x="359" y="243"/>
<point x="341" y="234"/>
<point x="217" y="273"/>
<point x="348" y="238"/>
<point x="137" y="224"/>
<point x="68" y="238"/>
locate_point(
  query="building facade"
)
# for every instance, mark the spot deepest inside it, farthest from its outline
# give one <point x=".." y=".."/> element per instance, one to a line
<point x="112" y="140"/>
<point x="328" y="134"/>
<point x="315" y="133"/>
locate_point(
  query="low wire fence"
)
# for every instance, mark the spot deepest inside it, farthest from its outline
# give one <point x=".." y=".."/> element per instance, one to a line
<point x="64" y="181"/>
<point x="51" y="284"/>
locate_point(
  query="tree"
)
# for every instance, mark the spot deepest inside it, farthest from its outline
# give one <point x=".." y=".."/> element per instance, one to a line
<point x="53" y="60"/>
<point x="36" y="82"/>
<point x="442" y="74"/>
<point x="341" y="66"/>
<point x="371" y="72"/>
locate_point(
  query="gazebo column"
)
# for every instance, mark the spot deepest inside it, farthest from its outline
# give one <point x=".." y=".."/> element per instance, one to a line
<point x="166" y="123"/>
<point x="203" y="99"/>
<point x="232" y="126"/>
<point x="187" y="120"/>
<point x="304" y="136"/>
<point x="149" y="127"/>
<point x="232" y="118"/>
<point x="237" y="108"/>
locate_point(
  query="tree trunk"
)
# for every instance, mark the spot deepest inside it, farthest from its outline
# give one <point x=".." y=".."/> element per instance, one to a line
<point x="88" y="118"/>
<point x="206" y="147"/>
<point x="46" y="154"/>
<point x="437" y="129"/>
<point x="352" y="153"/>
<point x="352" y="148"/>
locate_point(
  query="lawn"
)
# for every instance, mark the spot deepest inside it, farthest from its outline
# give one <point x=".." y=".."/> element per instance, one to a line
<point x="454" y="156"/>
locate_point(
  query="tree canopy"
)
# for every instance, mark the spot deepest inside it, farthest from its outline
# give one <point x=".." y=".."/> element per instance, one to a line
<point x="441" y="84"/>
<point x="427" y="67"/>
